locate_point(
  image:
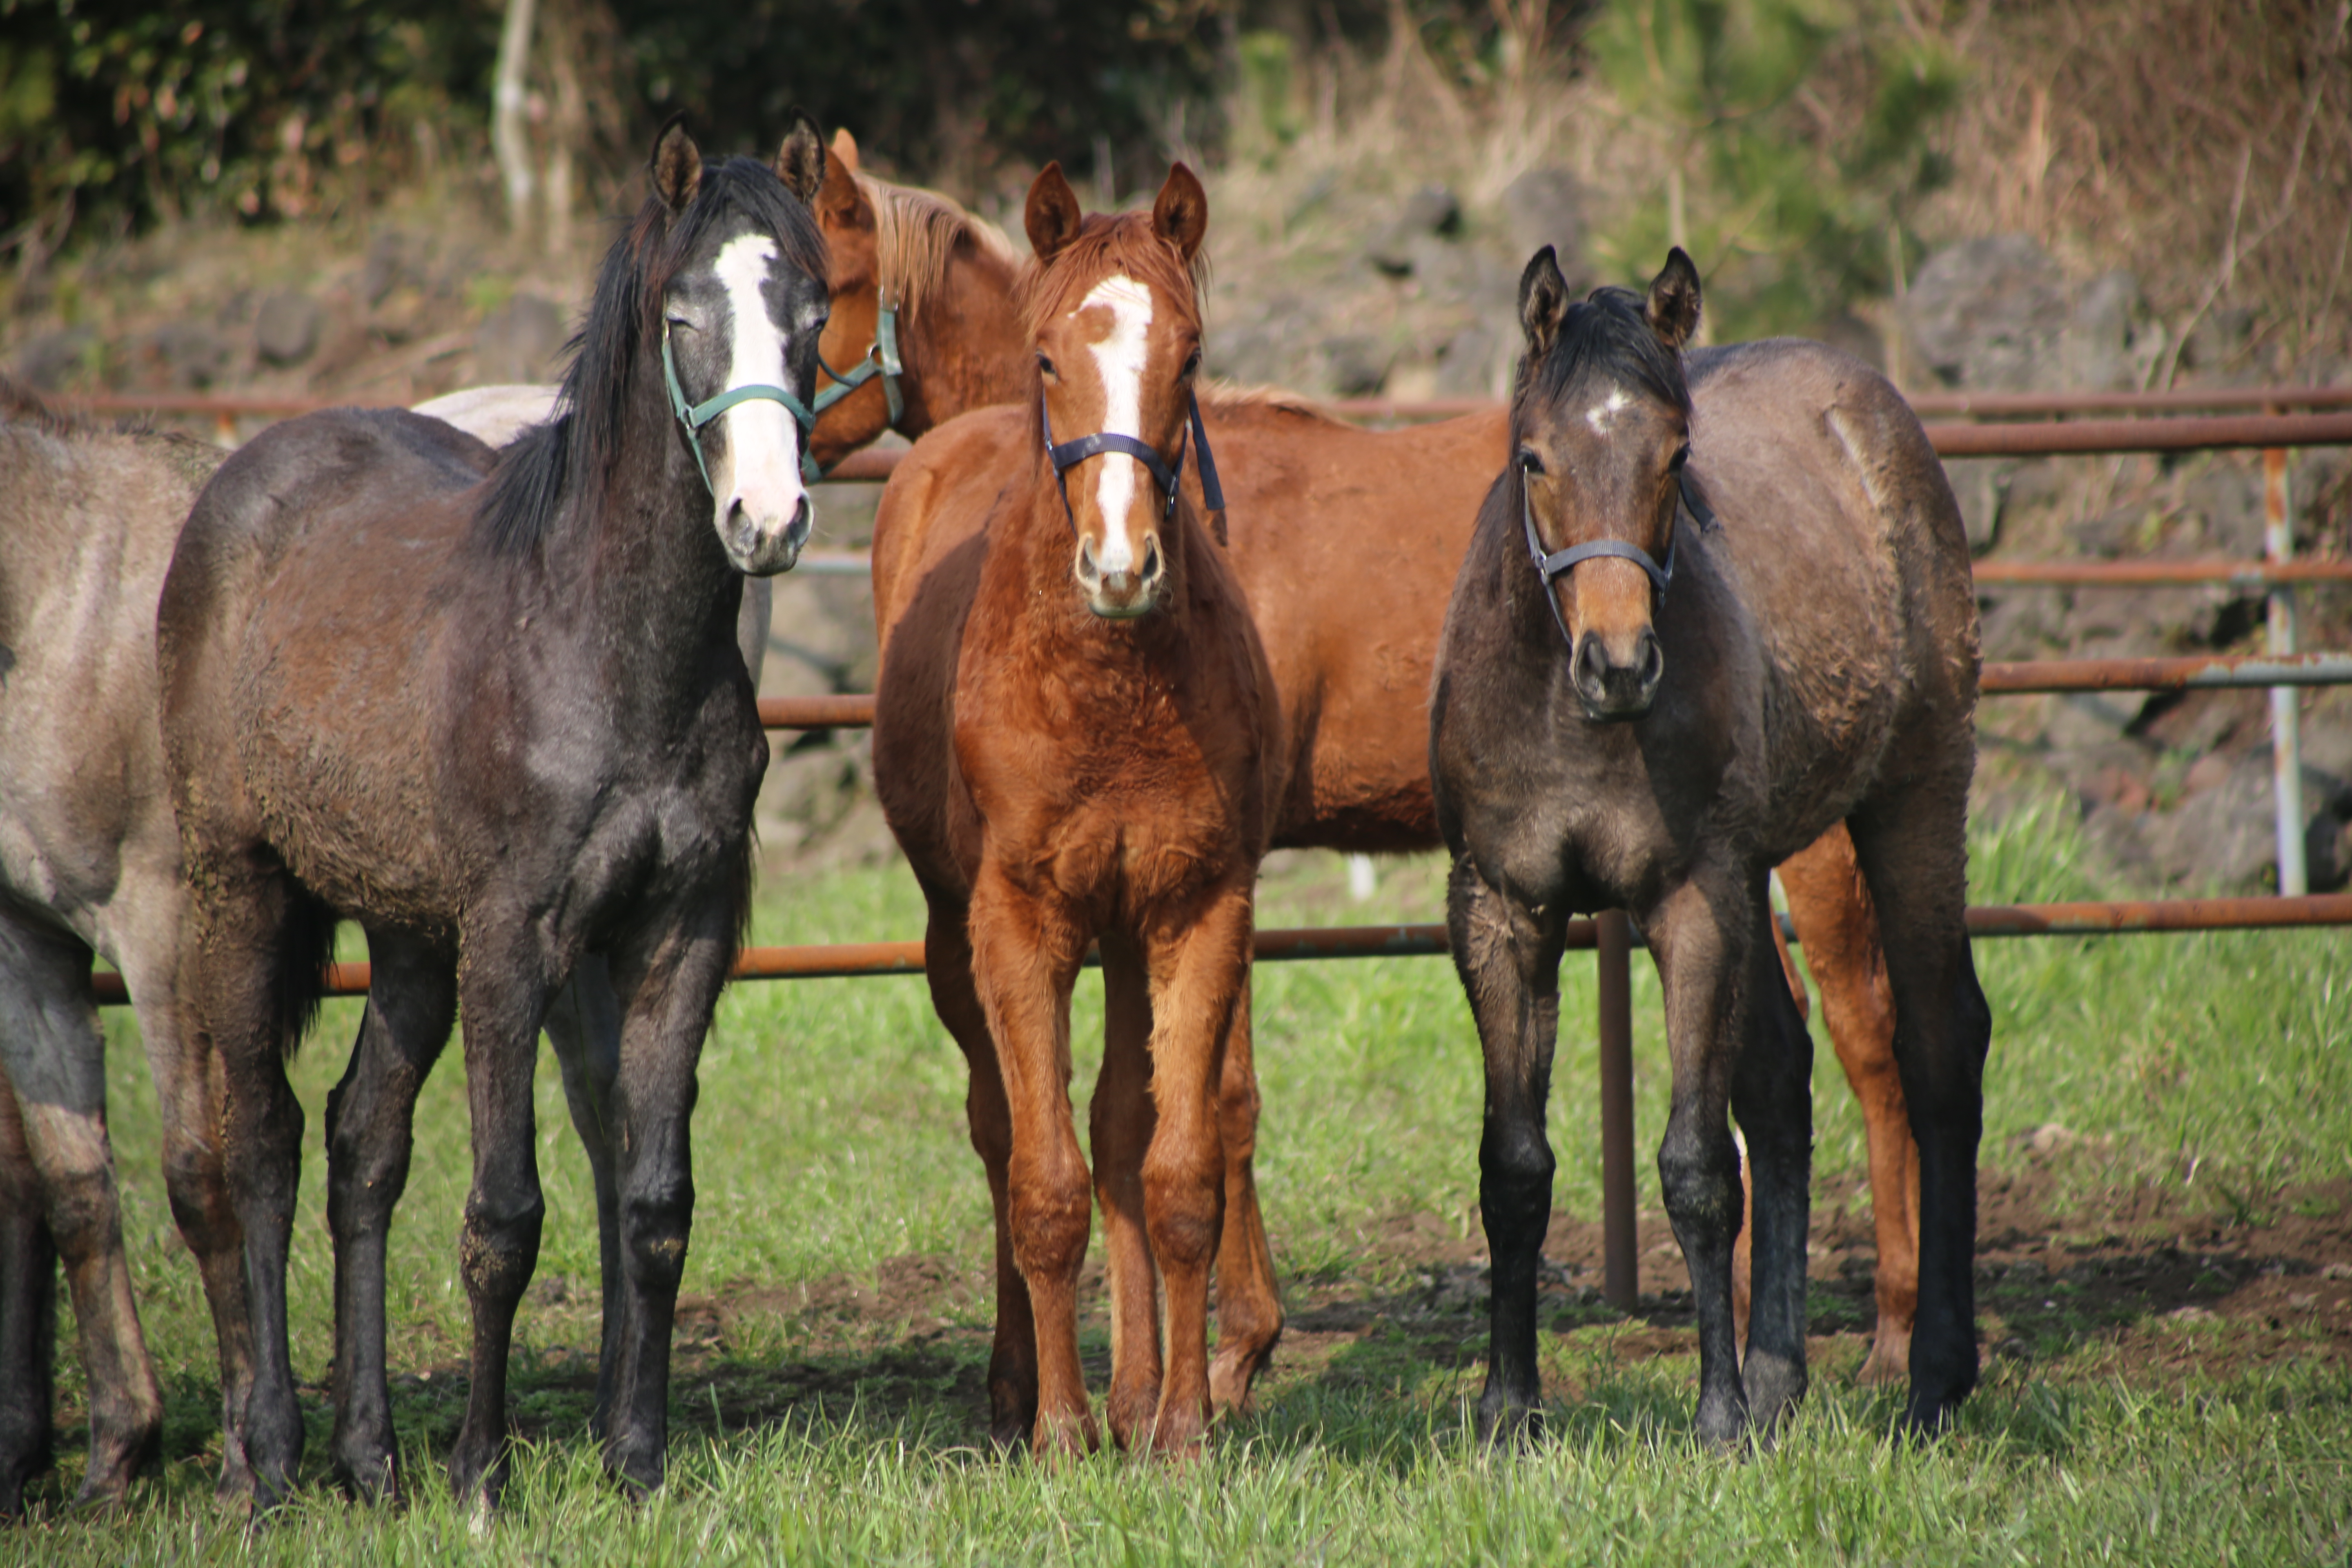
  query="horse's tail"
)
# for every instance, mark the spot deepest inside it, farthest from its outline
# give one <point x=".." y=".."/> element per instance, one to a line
<point x="309" y="942"/>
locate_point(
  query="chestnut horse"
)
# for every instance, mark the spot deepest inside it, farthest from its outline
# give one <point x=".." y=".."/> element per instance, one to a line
<point x="1337" y="532"/>
<point x="1637" y="707"/>
<point x="531" y="744"/>
<point x="1072" y="741"/>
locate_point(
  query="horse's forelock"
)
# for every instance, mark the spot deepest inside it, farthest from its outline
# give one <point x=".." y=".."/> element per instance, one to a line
<point x="916" y="233"/>
<point x="1109" y="244"/>
<point x="1606" y="335"/>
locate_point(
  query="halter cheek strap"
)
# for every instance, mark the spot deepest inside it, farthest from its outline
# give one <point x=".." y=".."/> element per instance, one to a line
<point x="881" y="359"/>
<point x="1550" y="566"/>
<point x="1070" y="454"/>
<point x="693" y="416"/>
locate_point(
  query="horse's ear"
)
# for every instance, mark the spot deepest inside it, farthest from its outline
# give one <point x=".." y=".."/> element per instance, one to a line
<point x="845" y="147"/>
<point x="1543" y="300"/>
<point x="1052" y="216"/>
<point x="800" y="161"/>
<point x="1180" y="215"/>
<point x="840" y="205"/>
<point x="1672" y="307"/>
<point x="676" y="166"/>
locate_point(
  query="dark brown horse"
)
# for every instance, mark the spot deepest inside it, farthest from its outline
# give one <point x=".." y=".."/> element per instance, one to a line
<point x="1336" y="533"/>
<point x="499" y="721"/>
<point x="89" y="863"/>
<point x="1072" y="737"/>
<point x="1640" y="705"/>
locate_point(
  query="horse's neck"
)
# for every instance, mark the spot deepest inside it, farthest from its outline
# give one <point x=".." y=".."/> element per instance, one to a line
<point x="965" y="350"/>
<point x="646" y="581"/>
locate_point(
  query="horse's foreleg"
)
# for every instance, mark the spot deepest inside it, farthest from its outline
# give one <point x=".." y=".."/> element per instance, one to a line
<point x="1830" y="905"/>
<point x="584" y="1026"/>
<point x="232" y="983"/>
<point x="1771" y="1093"/>
<point x="1121" y="1123"/>
<point x="1013" y="1359"/>
<point x="56" y="1060"/>
<point x="1025" y="954"/>
<point x="28" y="1316"/>
<point x="1249" y="1303"/>
<point x="370" y="1116"/>
<point x="1701" y="940"/>
<point x="1200" y="972"/>
<point x="1912" y="849"/>
<point x="1509" y="960"/>
<point x="501" y="996"/>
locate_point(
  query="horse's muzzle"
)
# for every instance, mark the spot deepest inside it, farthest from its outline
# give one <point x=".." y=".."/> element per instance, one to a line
<point x="762" y="553"/>
<point x="1615" y="691"/>
<point x="1123" y="595"/>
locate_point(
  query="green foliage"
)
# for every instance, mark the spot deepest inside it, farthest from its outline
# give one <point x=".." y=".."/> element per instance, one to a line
<point x="1793" y="138"/>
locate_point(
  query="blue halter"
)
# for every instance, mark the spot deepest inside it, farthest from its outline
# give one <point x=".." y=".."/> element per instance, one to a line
<point x="693" y="416"/>
<point x="1070" y="454"/>
<point x="1550" y="566"/>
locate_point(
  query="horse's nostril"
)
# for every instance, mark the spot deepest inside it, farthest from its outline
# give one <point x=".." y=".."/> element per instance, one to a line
<point x="1151" y="558"/>
<point x="1653" y="661"/>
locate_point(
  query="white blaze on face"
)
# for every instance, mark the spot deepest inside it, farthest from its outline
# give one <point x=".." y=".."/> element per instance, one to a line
<point x="1120" y="357"/>
<point x="761" y="468"/>
<point x="1601" y="415"/>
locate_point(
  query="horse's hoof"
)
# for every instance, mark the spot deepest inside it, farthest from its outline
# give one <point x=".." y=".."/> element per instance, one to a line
<point x="1502" y="1421"/>
<point x="1775" y="1385"/>
<point x="371" y="1478"/>
<point x="477" y="1482"/>
<point x="637" y="1467"/>
<point x="1889" y="1361"/>
<point x="1721" y="1421"/>
<point x="1179" y="1437"/>
<point x="1129" y="1413"/>
<point x="1233" y="1379"/>
<point x="1063" y="1439"/>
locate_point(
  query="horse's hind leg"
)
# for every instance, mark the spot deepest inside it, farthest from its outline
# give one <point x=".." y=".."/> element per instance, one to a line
<point x="1830" y="905"/>
<point x="1249" y="1304"/>
<point x="28" y="1316"/>
<point x="1121" y="1118"/>
<point x="1509" y="960"/>
<point x="56" y="1061"/>
<point x="1013" y="1358"/>
<point x="1771" y="1093"/>
<point x="370" y="1119"/>
<point x="584" y="1026"/>
<point x="1703" y="938"/>
<point x="1913" y="851"/>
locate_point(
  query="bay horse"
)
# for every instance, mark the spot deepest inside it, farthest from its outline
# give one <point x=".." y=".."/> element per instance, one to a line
<point x="89" y="863"/>
<point x="1336" y="533"/>
<point x="531" y="744"/>
<point x="1072" y="736"/>
<point x="1643" y="702"/>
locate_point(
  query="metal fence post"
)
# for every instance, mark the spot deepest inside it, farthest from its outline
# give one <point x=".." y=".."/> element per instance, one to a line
<point x="1614" y="946"/>
<point x="2286" y="713"/>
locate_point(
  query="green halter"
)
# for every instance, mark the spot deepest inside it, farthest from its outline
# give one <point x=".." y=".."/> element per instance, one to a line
<point x="693" y="416"/>
<point x="881" y="359"/>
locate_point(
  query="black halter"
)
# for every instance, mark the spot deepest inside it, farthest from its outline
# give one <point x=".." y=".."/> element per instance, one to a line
<point x="1070" y="454"/>
<point x="1549" y="567"/>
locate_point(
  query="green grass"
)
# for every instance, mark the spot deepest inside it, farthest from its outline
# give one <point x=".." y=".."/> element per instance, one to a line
<point x="830" y="1139"/>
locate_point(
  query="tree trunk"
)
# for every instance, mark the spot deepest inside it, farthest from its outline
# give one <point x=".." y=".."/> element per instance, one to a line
<point x="509" y="141"/>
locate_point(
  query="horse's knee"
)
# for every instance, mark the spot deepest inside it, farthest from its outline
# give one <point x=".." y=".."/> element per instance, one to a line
<point x="1052" y="1204"/>
<point x="500" y="1242"/>
<point x="1183" y="1201"/>
<point x="85" y="1214"/>
<point x="1698" y="1178"/>
<point x="655" y="1221"/>
<point x="1515" y="1174"/>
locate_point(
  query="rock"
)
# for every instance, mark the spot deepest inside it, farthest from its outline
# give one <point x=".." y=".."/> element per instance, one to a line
<point x="1978" y="484"/>
<point x="1988" y="314"/>
<point x="518" y="342"/>
<point x="2218" y="343"/>
<point x="188" y="354"/>
<point x="1355" y="364"/>
<point x="2225" y="836"/>
<point x="287" y="330"/>
<point x="1475" y="363"/>
<point x="385" y="267"/>
<point x="2120" y="531"/>
<point x="1430" y="211"/>
<point x="2227" y="499"/>
<point x="50" y="360"/>
<point x="2096" y="349"/>
<point x="1546" y="207"/>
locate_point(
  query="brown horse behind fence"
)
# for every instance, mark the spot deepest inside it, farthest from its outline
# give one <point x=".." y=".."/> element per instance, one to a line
<point x="1074" y="743"/>
<point x="1343" y="539"/>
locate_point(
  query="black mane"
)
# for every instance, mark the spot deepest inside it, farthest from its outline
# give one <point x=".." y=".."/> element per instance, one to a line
<point x="1604" y="335"/>
<point x="527" y="492"/>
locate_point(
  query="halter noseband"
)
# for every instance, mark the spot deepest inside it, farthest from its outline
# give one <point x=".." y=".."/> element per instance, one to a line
<point x="1551" y="566"/>
<point x="693" y="416"/>
<point x="1070" y="454"/>
<point x="881" y="359"/>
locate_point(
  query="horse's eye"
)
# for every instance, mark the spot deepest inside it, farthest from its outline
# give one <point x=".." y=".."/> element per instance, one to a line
<point x="1682" y="456"/>
<point x="1531" y="460"/>
<point x="1047" y="367"/>
<point x="1192" y="364"/>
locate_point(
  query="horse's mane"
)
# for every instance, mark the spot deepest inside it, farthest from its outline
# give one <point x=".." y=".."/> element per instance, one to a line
<point x="1108" y="242"/>
<point x="1225" y="395"/>
<point x="580" y="447"/>
<point x="916" y="233"/>
<point x="20" y="405"/>
<point x="1604" y="333"/>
